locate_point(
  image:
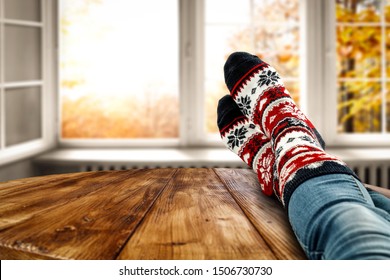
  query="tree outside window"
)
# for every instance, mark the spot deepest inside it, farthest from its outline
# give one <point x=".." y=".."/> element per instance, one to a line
<point x="363" y="53"/>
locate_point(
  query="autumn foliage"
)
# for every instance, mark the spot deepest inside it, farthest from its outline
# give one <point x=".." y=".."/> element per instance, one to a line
<point x="274" y="36"/>
<point x="120" y="117"/>
<point x="363" y="60"/>
<point x="362" y="56"/>
<point x="125" y="107"/>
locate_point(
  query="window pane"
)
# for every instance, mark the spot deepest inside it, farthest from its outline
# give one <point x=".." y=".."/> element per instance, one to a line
<point x="267" y="28"/>
<point x="22" y="53"/>
<point x="387" y="49"/>
<point x="362" y="65"/>
<point x="294" y="90"/>
<point x="22" y="115"/>
<point x="119" y="69"/>
<point x="23" y="9"/>
<point x="360" y="107"/>
<point x="359" y="52"/>
<point x="276" y="11"/>
<point x="387" y="10"/>
<point x="233" y="11"/>
<point x="358" y="10"/>
<point x="279" y="46"/>
<point x="219" y="40"/>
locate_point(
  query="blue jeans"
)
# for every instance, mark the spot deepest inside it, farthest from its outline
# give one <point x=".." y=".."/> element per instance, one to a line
<point x="335" y="217"/>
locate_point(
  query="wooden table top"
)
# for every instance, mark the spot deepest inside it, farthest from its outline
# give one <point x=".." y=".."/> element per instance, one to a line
<point x="185" y="213"/>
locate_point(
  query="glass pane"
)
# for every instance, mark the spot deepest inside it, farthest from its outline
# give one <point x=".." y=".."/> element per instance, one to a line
<point x="23" y="9"/>
<point x="358" y="10"/>
<point x="234" y="11"/>
<point x="119" y="69"/>
<point x="293" y="89"/>
<point x="220" y="41"/>
<point x="22" y="115"/>
<point x="387" y="52"/>
<point x="276" y="11"/>
<point x="23" y="53"/>
<point x="277" y="44"/>
<point x="359" y="109"/>
<point x="387" y="10"/>
<point x="358" y="52"/>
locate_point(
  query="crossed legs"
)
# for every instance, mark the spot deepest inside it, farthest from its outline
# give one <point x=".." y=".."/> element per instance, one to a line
<point x="330" y="211"/>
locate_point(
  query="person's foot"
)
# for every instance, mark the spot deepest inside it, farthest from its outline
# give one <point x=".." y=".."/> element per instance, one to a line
<point x="261" y="96"/>
<point x="246" y="140"/>
<point x="251" y="80"/>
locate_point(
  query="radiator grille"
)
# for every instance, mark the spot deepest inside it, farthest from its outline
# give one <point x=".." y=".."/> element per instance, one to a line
<point x="110" y="166"/>
<point x="373" y="174"/>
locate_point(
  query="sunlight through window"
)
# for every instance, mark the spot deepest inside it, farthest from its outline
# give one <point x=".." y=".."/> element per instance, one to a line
<point x="268" y="28"/>
<point x="119" y="69"/>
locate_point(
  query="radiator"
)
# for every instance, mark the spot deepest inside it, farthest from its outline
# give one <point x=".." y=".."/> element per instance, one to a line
<point x="371" y="165"/>
<point x="114" y="166"/>
<point x="373" y="174"/>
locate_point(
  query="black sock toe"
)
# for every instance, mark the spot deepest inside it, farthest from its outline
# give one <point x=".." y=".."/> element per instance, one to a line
<point x="227" y="112"/>
<point x="237" y="65"/>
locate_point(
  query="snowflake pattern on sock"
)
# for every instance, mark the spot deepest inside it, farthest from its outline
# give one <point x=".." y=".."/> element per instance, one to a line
<point x="244" y="103"/>
<point x="267" y="78"/>
<point x="236" y="137"/>
<point x="297" y="146"/>
<point x="246" y="140"/>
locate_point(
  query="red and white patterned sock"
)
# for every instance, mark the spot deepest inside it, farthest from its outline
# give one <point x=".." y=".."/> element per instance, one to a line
<point x="247" y="141"/>
<point x="261" y="96"/>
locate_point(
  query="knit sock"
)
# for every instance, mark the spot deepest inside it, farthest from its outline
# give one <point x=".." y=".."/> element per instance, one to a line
<point x="246" y="140"/>
<point x="257" y="89"/>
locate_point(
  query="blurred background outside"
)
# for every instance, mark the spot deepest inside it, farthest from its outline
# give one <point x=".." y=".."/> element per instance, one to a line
<point x="119" y="71"/>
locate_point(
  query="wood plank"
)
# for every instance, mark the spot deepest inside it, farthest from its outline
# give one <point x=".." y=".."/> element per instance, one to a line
<point x="19" y="185"/>
<point x="25" y="198"/>
<point x="93" y="220"/>
<point x="381" y="190"/>
<point x="196" y="218"/>
<point x="266" y="213"/>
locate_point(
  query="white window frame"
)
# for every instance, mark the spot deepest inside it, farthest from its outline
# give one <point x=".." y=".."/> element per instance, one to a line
<point x="329" y="94"/>
<point x="318" y="83"/>
<point x="185" y="57"/>
<point x="312" y="61"/>
<point x="192" y="131"/>
<point x="48" y="96"/>
<point x="191" y="93"/>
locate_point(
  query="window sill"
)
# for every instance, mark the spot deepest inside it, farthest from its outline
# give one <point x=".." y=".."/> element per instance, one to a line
<point x="196" y="157"/>
<point x="371" y="164"/>
<point x="143" y="157"/>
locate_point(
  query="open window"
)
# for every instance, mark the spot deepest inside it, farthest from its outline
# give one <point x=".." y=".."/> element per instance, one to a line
<point x="26" y="112"/>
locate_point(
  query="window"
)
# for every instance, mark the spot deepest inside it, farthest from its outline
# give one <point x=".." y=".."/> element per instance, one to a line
<point x="105" y="91"/>
<point x="119" y="69"/>
<point x="332" y="56"/>
<point x="268" y="28"/>
<point x="362" y="66"/>
<point x="357" y="84"/>
<point x="24" y="81"/>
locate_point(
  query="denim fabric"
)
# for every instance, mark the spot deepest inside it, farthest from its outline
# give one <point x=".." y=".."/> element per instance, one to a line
<point x="380" y="201"/>
<point x="334" y="217"/>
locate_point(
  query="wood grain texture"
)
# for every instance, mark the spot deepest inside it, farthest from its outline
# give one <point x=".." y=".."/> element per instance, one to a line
<point x="143" y="214"/>
<point x="266" y="213"/>
<point x="196" y="218"/>
<point x="85" y="216"/>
